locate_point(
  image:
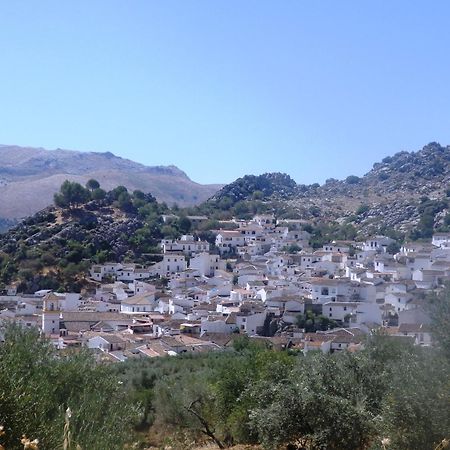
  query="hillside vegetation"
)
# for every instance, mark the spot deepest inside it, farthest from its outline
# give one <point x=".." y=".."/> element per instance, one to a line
<point x="54" y="248"/>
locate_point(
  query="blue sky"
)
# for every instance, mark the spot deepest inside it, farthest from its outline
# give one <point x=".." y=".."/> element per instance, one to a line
<point x="224" y="88"/>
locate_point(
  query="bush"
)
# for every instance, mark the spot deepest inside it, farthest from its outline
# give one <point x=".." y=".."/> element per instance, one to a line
<point x="352" y="179"/>
<point x="37" y="386"/>
<point x="71" y="194"/>
<point x="362" y="209"/>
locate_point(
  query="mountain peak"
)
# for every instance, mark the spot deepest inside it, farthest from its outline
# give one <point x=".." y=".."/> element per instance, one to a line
<point x="30" y="176"/>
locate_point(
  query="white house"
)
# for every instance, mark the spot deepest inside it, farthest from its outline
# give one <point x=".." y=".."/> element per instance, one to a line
<point x="336" y="247"/>
<point x="207" y="264"/>
<point x="441" y="240"/>
<point x="131" y="272"/>
<point x="99" y="271"/>
<point x="324" y="290"/>
<point x="142" y="303"/>
<point x="250" y="322"/>
<point x="170" y="264"/>
<point x="219" y="324"/>
<point x="339" y="310"/>
<point x="420" y="332"/>
<point x="106" y="342"/>
<point x="186" y="244"/>
<point x="227" y="241"/>
<point x="265" y="220"/>
<point x="399" y="300"/>
<point x="292" y="308"/>
<point x="378" y="243"/>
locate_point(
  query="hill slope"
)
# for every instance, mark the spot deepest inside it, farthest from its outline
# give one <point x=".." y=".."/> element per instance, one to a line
<point x="54" y="247"/>
<point x="397" y="193"/>
<point x="30" y="176"/>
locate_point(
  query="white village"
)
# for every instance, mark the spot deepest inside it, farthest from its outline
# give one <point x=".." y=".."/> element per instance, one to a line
<point x="260" y="279"/>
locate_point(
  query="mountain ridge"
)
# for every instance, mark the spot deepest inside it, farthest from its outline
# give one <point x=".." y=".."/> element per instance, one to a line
<point x="30" y="176"/>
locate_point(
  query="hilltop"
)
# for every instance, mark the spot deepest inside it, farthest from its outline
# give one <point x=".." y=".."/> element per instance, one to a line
<point x="400" y="192"/>
<point x="30" y="176"/>
<point x="388" y="195"/>
<point x="54" y="248"/>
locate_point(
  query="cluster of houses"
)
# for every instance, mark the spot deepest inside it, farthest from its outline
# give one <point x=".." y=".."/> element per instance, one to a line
<point x="257" y="279"/>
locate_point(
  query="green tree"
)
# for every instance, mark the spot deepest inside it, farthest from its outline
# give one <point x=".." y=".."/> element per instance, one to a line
<point x="312" y="322"/>
<point x="438" y="306"/>
<point x="352" y="179"/>
<point x="37" y="385"/>
<point x="71" y="194"/>
<point x="115" y="193"/>
<point x="92" y="184"/>
<point x="124" y="202"/>
<point x="316" y="404"/>
<point x="292" y="248"/>
<point x="416" y="404"/>
<point x="98" y="194"/>
<point x="393" y="248"/>
<point x="184" y="225"/>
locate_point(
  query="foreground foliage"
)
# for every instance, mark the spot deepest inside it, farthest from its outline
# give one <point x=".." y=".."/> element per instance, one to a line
<point x="37" y="385"/>
<point x="391" y="390"/>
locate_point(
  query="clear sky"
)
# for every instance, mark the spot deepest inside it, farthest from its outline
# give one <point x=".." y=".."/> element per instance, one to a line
<point x="223" y="88"/>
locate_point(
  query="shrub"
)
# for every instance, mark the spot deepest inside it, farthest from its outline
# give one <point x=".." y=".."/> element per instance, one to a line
<point x="362" y="209"/>
<point x="352" y="179"/>
<point x="37" y="386"/>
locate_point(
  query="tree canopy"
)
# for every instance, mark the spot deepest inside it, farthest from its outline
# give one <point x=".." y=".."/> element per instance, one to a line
<point x="37" y="385"/>
<point x="71" y="194"/>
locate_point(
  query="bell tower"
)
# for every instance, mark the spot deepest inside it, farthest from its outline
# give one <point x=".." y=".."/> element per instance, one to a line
<point x="51" y="314"/>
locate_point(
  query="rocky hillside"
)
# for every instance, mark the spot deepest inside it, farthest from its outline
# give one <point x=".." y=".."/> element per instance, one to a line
<point x="268" y="186"/>
<point x="400" y="192"/>
<point x="395" y="193"/>
<point x="55" y="247"/>
<point x="30" y="176"/>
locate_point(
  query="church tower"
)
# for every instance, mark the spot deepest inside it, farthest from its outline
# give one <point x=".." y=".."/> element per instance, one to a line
<point x="51" y="314"/>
